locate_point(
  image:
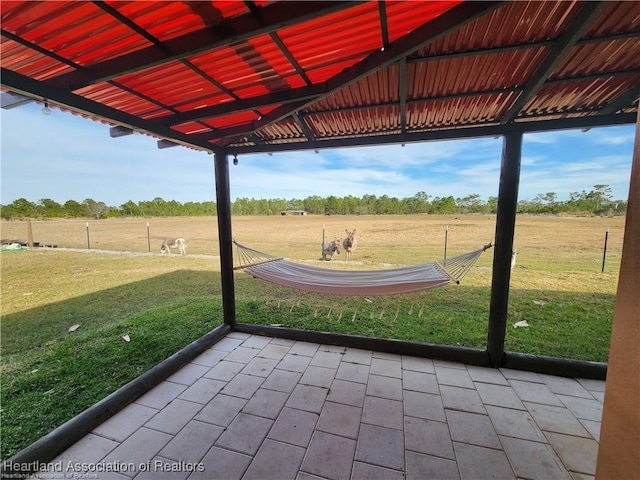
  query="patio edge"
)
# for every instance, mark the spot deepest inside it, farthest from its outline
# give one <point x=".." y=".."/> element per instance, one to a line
<point x="467" y="355"/>
<point x="563" y="367"/>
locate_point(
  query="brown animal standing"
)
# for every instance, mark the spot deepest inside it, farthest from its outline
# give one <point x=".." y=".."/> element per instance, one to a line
<point x="350" y="242"/>
<point x="331" y="249"/>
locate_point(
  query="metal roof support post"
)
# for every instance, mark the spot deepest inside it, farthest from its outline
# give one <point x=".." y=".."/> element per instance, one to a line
<point x="505" y="226"/>
<point x="223" y="201"/>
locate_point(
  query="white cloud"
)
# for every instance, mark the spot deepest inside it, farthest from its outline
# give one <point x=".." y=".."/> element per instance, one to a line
<point x="613" y="136"/>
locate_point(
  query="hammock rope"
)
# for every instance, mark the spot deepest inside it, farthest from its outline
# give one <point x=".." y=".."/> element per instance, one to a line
<point x="355" y="282"/>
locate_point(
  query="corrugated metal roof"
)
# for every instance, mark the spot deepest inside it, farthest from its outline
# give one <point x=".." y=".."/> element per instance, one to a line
<point x="255" y="76"/>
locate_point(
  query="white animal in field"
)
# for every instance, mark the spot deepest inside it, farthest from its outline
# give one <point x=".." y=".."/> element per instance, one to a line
<point x="331" y="249"/>
<point x="350" y="242"/>
<point x="513" y="258"/>
<point x="169" y="243"/>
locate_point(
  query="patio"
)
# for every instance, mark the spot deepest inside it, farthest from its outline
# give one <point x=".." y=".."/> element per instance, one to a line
<point x="241" y="78"/>
<point x="255" y="407"/>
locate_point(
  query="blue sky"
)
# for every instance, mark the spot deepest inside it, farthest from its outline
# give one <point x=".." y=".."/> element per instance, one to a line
<point x="67" y="157"/>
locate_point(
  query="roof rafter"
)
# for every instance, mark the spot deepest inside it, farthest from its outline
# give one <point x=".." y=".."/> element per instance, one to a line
<point x="624" y="99"/>
<point x="555" y="56"/>
<point x="384" y="28"/>
<point x="478" y="93"/>
<point x="521" y="46"/>
<point x="432" y="30"/>
<point x="402" y="94"/>
<point x="474" y="131"/>
<point x="70" y="63"/>
<point x="140" y="31"/>
<point x="303" y="126"/>
<point x="315" y="91"/>
<point x="42" y="91"/>
<point x="273" y="18"/>
<point x="282" y="97"/>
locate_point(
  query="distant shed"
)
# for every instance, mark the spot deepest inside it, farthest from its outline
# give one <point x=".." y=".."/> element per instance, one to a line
<point x="293" y="212"/>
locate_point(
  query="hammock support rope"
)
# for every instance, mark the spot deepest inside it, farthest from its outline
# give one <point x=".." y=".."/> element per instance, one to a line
<point x="355" y="282"/>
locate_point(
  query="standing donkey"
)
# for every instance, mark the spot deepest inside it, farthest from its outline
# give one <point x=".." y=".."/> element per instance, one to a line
<point x="331" y="249"/>
<point x="169" y="243"/>
<point x="350" y="242"/>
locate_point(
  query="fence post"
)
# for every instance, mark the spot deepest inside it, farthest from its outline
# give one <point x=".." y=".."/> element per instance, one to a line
<point x="604" y="255"/>
<point x="30" y="234"/>
<point x="323" y="255"/>
<point x="148" y="238"/>
<point x="88" y="243"/>
<point x="446" y="239"/>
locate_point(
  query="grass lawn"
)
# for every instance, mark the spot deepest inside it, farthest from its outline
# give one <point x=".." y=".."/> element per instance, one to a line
<point x="162" y="303"/>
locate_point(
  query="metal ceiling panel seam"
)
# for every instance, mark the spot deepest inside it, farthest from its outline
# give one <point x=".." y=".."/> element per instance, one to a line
<point x="402" y="20"/>
<point x="284" y="130"/>
<point x="471" y="74"/>
<point x="515" y="23"/>
<point x="170" y="19"/>
<point x="81" y="32"/>
<point x="583" y="59"/>
<point x="618" y="17"/>
<point x="277" y="61"/>
<point x="345" y="38"/>
<point x="380" y="87"/>
<point x="231" y="120"/>
<point x="25" y="60"/>
<point x="116" y="98"/>
<point x="191" y="128"/>
<point x="585" y="96"/>
<point x="245" y="69"/>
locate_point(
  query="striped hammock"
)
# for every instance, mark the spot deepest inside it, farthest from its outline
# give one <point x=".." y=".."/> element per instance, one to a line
<point x="355" y="282"/>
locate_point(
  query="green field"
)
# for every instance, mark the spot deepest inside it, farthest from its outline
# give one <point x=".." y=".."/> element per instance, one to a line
<point x="162" y="303"/>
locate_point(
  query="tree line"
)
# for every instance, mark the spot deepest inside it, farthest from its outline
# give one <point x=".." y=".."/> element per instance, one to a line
<point x="598" y="201"/>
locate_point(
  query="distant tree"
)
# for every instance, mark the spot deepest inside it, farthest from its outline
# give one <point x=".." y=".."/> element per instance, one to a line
<point x="209" y="208"/>
<point x="173" y="208"/>
<point x="444" y="205"/>
<point x="20" y="208"/>
<point x="159" y="207"/>
<point x="73" y="209"/>
<point x="470" y="204"/>
<point x="350" y="205"/>
<point x="276" y="205"/>
<point x="368" y="204"/>
<point x="387" y="205"/>
<point x="95" y="209"/>
<point x="578" y="202"/>
<point x="49" y="208"/>
<point x="601" y="195"/>
<point x="130" y="209"/>
<point x="332" y="205"/>
<point x="492" y="204"/>
<point x="619" y="207"/>
<point x="422" y="202"/>
<point x="551" y="198"/>
<point x="264" y="207"/>
<point x="295" y="204"/>
<point x="314" y="204"/>
<point x="419" y="203"/>
<point x="241" y="206"/>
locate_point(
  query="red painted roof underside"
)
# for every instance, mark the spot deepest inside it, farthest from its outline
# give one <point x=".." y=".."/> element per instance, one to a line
<point x="267" y="73"/>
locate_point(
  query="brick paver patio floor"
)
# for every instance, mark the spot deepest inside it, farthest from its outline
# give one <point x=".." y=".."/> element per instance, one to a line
<point x="255" y="407"/>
